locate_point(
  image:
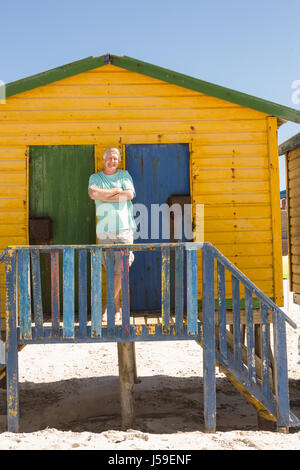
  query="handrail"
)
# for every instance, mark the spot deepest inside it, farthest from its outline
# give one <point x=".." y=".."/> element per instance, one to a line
<point x="259" y="293"/>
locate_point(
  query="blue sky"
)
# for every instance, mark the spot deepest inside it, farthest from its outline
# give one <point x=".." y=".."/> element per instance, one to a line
<point x="248" y="46"/>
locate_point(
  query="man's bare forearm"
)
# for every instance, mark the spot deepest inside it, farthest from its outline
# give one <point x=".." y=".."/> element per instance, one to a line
<point x="104" y="195"/>
<point x="125" y="195"/>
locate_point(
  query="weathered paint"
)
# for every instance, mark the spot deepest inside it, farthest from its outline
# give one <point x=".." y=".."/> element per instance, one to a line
<point x="68" y="293"/>
<point x="96" y="292"/>
<point x="281" y="374"/>
<point x="24" y="294"/>
<point x="110" y="290"/>
<point x="179" y="288"/>
<point x="55" y="298"/>
<point x="250" y="336"/>
<point x="192" y="304"/>
<point x="222" y="310"/>
<point x="125" y="293"/>
<point x="37" y="292"/>
<point x="158" y="172"/>
<point x="12" y="344"/>
<point x="265" y="345"/>
<point x="236" y="323"/>
<point x="209" y="347"/>
<point x="165" y="290"/>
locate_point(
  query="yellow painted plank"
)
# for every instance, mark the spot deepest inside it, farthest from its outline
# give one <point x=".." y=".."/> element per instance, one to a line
<point x="12" y="165"/>
<point x="243" y="262"/>
<point x="13" y="230"/>
<point x="16" y="153"/>
<point x="83" y="127"/>
<point x="202" y="162"/>
<point x="12" y="204"/>
<point x="8" y="190"/>
<point x="230" y="187"/>
<point x="79" y="98"/>
<point x="14" y="178"/>
<point x="109" y="78"/>
<point x="237" y="210"/>
<point x="233" y="174"/>
<point x="229" y="150"/>
<point x="203" y="128"/>
<point x="19" y="102"/>
<point x="238" y="237"/>
<point x="13" y="217"/>
<point x="227" y="225"/>
<point x="61" y="89"/>
<point x="227" y="198"/>
<point x="13" y="239"/>
<point x="245" y="250"/>
<point x="254" y="274"/>
<point x="236" y="121"/>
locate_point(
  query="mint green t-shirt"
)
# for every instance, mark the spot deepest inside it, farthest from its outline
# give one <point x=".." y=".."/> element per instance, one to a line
<point x="113" y="216"/>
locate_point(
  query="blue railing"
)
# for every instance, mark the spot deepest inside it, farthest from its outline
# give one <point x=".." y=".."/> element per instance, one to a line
<point x="208" y="324"/>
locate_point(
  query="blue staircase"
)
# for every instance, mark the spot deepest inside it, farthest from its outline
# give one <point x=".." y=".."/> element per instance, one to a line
<point x="238" y="340"/>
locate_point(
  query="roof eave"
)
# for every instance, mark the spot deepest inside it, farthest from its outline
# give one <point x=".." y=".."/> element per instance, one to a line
<point x="289" y="144"/>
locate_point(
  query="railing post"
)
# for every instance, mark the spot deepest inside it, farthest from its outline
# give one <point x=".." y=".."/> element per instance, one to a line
<point x="222" y="311"/>
<point x="192" y="298"/>
<point x="110" y="291"/>
<point x="125" y="293"/>
<point x="209" y="342"/>
<point x="281" y="372"/>
<point x="179" y="289"/>
<point x="55" y="300"/>
<point x="165" y="290"/>
<point x="96" y="292"/>
<point x="11" y="343"/>
<point x="69" y="294"/>
<point x="24" y="294"/>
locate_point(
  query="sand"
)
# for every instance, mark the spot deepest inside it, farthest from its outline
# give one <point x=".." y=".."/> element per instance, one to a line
<point x="69" y="400"/>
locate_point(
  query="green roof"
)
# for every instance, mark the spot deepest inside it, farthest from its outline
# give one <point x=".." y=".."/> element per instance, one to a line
<point x="89" y="63"/>
<point x="289" y="144"/>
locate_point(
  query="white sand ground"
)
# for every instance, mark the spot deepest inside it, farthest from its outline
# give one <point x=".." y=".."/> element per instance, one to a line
<point x="69" y="399"/>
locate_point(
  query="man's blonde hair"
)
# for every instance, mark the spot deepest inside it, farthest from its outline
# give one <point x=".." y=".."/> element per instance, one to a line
<point x="112" y="149"/>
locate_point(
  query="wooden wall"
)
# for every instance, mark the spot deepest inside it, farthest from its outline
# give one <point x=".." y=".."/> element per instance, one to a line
<point x="234" y="159"/>
<point x="293" y="202"/>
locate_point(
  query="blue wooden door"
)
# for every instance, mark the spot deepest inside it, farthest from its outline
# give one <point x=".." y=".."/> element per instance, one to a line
<point x="158" y="171"/>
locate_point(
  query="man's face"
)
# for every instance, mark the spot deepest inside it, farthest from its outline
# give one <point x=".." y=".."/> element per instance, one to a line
<point x="111" y="161"/>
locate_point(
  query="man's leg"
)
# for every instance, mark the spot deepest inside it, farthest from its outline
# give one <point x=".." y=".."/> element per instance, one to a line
<point x="117" y="287"/>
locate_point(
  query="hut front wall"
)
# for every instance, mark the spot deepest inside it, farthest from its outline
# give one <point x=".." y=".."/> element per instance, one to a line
<point x="293" y="200"/>
<point x="234" y="159"/>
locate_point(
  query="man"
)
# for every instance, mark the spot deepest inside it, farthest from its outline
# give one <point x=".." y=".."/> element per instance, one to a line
<point x="112" y="190"/>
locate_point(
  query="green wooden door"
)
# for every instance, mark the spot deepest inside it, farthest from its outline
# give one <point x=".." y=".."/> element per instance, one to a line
<point x="58" y="182"/>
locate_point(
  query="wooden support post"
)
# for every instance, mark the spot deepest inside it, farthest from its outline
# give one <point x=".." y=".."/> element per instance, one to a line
<point x="127" y="376"/>
<point x="11" y="345"/>
<point x="209" y="342"/>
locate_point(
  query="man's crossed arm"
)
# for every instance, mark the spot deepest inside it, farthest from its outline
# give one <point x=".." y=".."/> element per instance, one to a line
<point x="110" y="195"/>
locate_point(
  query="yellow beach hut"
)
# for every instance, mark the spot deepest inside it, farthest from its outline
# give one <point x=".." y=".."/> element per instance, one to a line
<point x="178" y="136"/>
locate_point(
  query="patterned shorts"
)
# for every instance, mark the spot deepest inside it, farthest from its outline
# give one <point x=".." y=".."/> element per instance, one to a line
<point x="112" y="238"/>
